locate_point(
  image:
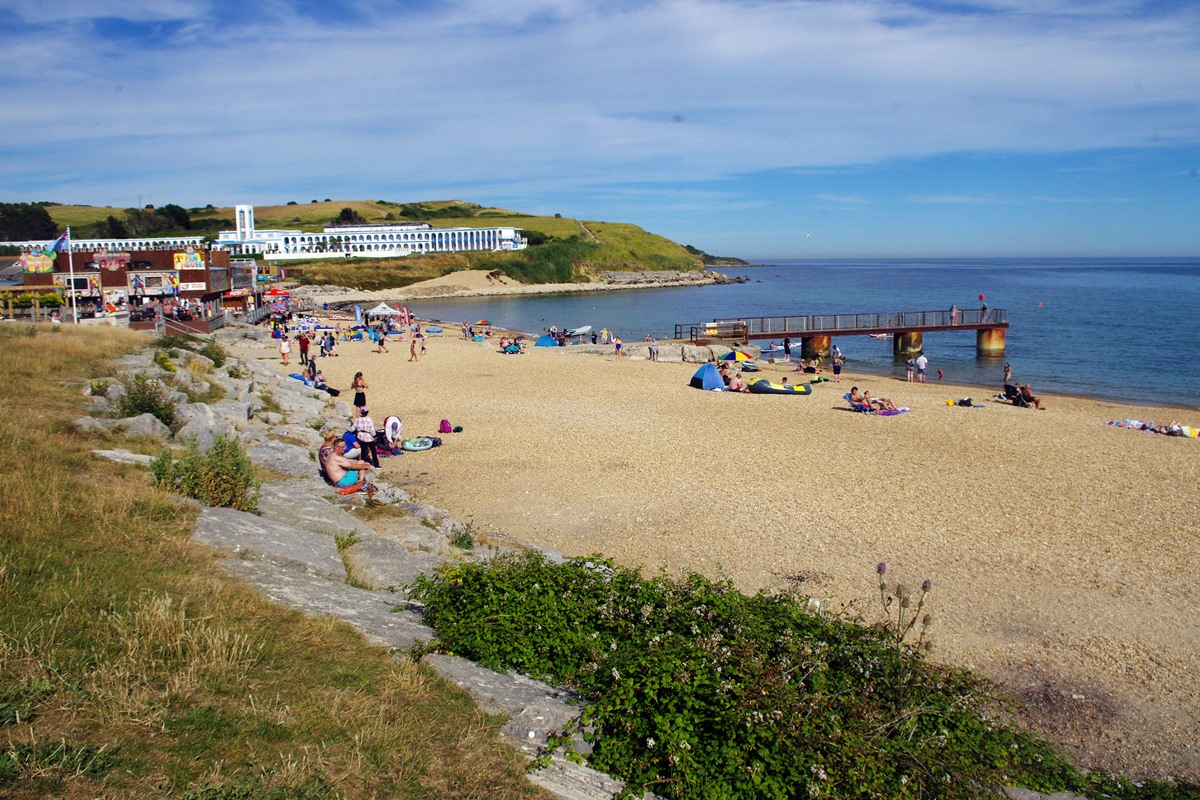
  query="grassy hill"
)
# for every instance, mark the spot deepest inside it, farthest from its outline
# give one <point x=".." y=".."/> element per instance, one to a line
<point x="561" y="249"/>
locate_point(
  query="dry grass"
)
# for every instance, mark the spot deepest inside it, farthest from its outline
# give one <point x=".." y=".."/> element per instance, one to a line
<point x="133" y="667"/>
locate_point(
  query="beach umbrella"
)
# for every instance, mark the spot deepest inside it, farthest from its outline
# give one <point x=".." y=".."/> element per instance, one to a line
<point x="737" y="355"/>
<point x="482" y="322"/>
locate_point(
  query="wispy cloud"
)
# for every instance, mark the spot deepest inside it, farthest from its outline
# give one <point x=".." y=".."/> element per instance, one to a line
<point x="215" y="100"/>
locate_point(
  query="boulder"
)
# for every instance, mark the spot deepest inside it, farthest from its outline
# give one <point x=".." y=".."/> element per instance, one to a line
<point x="286" y="459"/>
<point x="146" y="425"/>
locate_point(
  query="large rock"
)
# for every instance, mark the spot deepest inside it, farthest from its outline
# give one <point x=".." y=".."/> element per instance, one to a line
<point x="145" y="425"/>
<point x="286" y="459"/>
<point x="298" y="503"/>
<point x="235" y="411"/>
<point x="381" y="562"/>
<point x="93" y="425"/>
<point x="297" y="408"/>
<point x="249" y="536"/>
<point x="200" y="423"/>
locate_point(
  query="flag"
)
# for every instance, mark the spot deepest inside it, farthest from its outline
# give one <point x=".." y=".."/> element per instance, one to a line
<point x="59" y="245"/>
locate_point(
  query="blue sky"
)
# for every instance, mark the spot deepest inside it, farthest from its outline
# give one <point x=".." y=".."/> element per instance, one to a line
<point x="763" y="129"/>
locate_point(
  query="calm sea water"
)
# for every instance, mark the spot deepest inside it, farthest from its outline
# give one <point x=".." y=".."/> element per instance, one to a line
<point x="1125" y="329"/>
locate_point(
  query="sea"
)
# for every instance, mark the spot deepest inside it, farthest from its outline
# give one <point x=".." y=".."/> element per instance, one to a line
<point x="1120" y="329"/>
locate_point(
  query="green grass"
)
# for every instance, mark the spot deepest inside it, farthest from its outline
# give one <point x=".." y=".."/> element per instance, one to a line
<point x="132" y="667"/>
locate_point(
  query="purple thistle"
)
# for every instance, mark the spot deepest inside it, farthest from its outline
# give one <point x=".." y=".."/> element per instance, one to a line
<point x="881" y="568"/>
<point x="927" y="585"/>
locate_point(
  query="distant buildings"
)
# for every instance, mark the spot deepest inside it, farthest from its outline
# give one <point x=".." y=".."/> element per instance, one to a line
<point x="363" y="241"/>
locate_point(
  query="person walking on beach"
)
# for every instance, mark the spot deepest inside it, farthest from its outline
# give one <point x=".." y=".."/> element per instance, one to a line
<point x="285" y="348"/>
<point x="653" y="347"/>
<point x="922" y="365"/>
<point x="1008" y="374"/>
<point x="412" y="349"/>
<point x="302" y="341"/>
<point x="381" y="342"/>
<point x="911" y="365"/>
<point x="616" y="347"/>
<point x="838" y="361"/>
<point x="787" y="348"/>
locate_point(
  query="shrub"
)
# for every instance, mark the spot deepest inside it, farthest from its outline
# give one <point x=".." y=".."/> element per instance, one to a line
<point x="144" y="395"/>
<point x="695" y="690"/>
<point x="222" y="477"/>
<point x="164" y="362"/>
<point x="214" y="352"/>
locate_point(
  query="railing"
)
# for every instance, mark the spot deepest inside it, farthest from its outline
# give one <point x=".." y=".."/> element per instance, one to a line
<point x="726" y="329"/>
<point x="847" y="324"/>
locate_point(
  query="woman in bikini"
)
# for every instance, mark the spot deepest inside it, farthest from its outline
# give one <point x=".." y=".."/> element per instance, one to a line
<point x="359" y="385"/>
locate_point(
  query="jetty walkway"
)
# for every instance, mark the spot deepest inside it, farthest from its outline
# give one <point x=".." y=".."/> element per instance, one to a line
<point x="815" y="331"/>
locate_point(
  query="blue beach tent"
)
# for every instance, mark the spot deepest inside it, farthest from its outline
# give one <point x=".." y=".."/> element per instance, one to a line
<point x="708" y="378"/>
<point x="546" y="341"/>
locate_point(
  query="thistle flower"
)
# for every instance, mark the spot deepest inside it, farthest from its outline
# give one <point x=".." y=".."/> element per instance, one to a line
<point x="881" y="568"/>
<point x="926" y="585"/>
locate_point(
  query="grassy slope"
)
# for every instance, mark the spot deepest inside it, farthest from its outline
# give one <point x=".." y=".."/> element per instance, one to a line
<point x="609" y="245"/>
<point x="130" y="666"/>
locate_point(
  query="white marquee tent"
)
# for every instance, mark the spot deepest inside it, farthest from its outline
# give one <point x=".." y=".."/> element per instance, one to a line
<point x="383" y="310"/>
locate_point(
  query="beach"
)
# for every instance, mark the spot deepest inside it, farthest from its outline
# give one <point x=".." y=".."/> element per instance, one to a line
<point x="1062" y="550"/>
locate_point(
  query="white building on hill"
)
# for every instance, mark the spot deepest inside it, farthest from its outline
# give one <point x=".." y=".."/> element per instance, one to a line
<point x="363" y="241"/>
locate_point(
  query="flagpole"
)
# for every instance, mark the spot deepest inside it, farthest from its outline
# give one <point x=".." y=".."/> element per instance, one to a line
<point x="71" y="266"/>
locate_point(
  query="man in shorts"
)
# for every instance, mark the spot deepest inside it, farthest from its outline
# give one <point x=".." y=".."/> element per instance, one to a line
<point x="922" y="365"/>
<point x="340" y="471"/>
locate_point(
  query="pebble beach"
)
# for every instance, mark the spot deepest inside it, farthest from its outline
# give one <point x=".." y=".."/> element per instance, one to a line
<point x="1062" y="550"/>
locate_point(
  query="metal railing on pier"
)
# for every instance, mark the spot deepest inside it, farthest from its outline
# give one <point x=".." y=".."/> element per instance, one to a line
<point x="844" y="324"/>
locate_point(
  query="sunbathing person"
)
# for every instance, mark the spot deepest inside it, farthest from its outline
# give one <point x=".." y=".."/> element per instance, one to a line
<point x="1029" y="399"/>
<point x="880" y="403"/>
<point x="858" y="399"/>
<point x="339" y="470"/>
<point x="735" y="383"/>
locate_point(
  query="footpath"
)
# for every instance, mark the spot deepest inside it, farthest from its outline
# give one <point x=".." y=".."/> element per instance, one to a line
<point x="307" y="550"/>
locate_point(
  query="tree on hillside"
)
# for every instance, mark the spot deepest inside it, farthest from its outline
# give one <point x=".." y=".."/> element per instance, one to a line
<point x="21" y="222"/>
<point x="177" y="215"/>
<point x="349" y="217"/>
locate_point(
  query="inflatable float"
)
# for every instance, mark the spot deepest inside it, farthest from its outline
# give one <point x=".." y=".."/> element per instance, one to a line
<point x="417" y="443"/>
<point x="764" y="386"/>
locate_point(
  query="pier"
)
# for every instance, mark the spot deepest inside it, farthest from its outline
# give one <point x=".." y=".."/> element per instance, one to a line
<point x="815" y="331"/>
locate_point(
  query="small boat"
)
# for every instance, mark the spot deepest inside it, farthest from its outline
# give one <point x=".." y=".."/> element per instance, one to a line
<point x="578" y="331"/>
<point x="880" y="335"/>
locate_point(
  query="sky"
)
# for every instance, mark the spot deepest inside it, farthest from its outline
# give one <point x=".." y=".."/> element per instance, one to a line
<point x="761" y="129"/>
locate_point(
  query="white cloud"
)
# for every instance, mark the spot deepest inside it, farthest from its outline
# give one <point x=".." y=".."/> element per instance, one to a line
<point x="575" y="94"/>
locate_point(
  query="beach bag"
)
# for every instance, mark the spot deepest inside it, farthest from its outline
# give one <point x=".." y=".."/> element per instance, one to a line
<point x="445" y="427"/>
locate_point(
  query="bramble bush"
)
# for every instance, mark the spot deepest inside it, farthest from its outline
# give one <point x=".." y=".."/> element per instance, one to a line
<point x="145" y="395"/>
<point x="222" y="477"/>
<point x="695" y="690"/>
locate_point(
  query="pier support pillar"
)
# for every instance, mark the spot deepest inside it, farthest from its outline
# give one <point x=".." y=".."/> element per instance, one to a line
<point x="907" y="343"/>
<point x="989" y="341"/>
<point x="814" y="346"/>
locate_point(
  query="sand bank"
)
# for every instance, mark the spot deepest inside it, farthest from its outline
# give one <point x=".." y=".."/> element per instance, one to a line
<point x="1062" y="550"/>
<point x="484" y="283"/>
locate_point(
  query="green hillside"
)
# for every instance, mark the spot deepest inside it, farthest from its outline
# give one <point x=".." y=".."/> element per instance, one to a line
<point x="561" y="249"/>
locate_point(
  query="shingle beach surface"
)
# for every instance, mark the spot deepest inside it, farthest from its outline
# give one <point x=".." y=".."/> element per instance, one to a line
<point x="1062" y="550"/>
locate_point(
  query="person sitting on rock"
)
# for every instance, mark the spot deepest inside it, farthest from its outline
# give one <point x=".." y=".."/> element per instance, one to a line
<point x="339" y="470"/>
